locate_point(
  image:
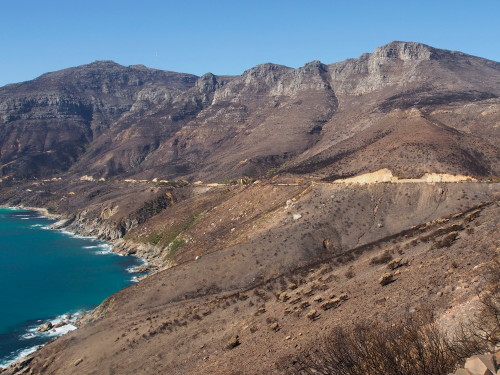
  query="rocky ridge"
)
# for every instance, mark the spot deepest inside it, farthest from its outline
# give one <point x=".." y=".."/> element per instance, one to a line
<point x="106" y="120"/>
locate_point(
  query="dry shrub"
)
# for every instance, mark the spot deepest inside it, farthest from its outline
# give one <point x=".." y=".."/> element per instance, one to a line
<point x="414" y="346"/>
<point x="350" y="273"/>
<point x="447" y="240"/>
<point x="384" y="258"/>
<point x="482" y="334"/>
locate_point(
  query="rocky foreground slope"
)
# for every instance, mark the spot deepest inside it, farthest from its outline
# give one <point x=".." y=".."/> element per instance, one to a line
<point x="278" y="264"/>
<point x="238" y="192"/>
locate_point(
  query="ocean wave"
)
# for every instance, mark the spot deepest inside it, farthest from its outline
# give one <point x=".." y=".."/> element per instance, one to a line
<point x="71" y="234"/>
<point x="101" y="249"/>
<point x="39" y="226"/>
<point x="133" y="269"/>
<point x="32" y="333"/>
<point x="17" y="355"/>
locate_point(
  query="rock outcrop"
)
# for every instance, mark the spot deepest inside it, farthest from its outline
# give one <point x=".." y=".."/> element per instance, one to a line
<point x="486" y="364"/>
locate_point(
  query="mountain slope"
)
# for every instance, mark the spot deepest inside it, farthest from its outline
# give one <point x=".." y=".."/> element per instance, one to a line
<point x="107" y="120"/>
<point x="256" y="261"/>
<point x="48" y="123"/>
<point x="281" y="259"/>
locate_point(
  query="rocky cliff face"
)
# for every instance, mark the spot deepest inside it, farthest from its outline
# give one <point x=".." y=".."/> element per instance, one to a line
<point x="48" y="123"/>
<point x="104" y="119"/>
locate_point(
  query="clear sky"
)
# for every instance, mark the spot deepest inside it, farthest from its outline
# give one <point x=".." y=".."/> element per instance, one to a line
<point x="228" y="37"/>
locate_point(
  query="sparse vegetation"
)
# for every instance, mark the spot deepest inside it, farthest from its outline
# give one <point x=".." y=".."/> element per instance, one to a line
<point x="384" y="258"/>
<point x="272" y="172"/>
<point x="482" y="334"/>
<point x="52" y="211"/>
<point x="447" y="240"/>
<point x="415" y="345"/>
<point x="154" y="238"/>
<point x="175" y="245"/>
<point x="169" y="235"/>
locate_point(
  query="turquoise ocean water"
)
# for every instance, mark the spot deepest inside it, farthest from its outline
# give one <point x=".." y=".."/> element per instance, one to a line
<point x="50" y="275"/>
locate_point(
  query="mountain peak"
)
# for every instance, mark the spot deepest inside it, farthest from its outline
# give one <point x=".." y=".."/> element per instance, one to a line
<point x="405" y="51"/>
<point x="104" y="63"/>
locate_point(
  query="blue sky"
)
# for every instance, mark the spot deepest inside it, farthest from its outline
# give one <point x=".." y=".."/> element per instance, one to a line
<point x="228" y="37"/>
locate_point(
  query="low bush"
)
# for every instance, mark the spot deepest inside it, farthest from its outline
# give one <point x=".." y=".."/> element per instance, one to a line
<point x="384" y="258"/>
<point x="413" y="346"/>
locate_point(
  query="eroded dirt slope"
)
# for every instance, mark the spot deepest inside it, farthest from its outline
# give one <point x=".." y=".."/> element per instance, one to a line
<point x="282" y="251"/>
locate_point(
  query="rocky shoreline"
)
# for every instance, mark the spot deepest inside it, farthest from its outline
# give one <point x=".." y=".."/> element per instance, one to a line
<point x="120" y="247"/>
<point x="80" y="226"/>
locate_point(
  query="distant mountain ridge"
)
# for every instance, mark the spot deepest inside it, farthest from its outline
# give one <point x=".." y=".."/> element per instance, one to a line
<point x="406" y="106"/>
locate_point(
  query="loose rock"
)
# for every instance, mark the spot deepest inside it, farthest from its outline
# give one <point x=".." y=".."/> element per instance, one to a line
<point x="283" y="297"/>
<point x="313" y="315"/>
<point x="333" y="303"/>
<point x="396" y="263"/>
<point x="233" y="342"/>
<point x="274" y="327"/>
<point x="386" y="278"/>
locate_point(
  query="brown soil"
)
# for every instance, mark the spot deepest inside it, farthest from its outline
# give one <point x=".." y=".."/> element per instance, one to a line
<point x="179" y="321"/>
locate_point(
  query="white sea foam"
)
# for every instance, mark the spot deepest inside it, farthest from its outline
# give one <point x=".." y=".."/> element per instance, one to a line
<point x="102" y="249"/>
<point x="33" y="333"/>
<point x="38" y="226"/>
<point x="59" y="331"/>
<point x="16" y="356"/>
<point x="71" y="234"/>
<point x="69" y="318"/>
<point x="133" y="269"/>
<point x="103" y="252"/>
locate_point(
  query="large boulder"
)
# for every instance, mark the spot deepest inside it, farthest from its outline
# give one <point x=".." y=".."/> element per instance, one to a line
<point x="45" y="327"/>
<point x="481" y="365"/>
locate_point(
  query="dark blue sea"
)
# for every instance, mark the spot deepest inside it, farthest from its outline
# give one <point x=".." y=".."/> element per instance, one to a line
<point x="50" y="275"/>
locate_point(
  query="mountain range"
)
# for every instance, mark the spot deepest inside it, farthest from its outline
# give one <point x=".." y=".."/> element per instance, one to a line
<point x="406" y="106"/>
